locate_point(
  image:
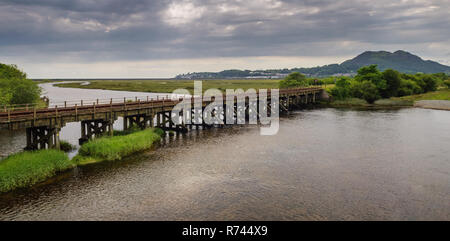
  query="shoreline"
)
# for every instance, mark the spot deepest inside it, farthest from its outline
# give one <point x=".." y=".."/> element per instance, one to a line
<point x="433" y="104"/>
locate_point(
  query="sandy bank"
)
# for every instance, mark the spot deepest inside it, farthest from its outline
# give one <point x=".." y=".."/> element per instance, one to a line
<point x="433" y="104"/>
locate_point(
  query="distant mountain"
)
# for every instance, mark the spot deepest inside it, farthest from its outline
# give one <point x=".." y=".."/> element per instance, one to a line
<point x="399" y="60"/>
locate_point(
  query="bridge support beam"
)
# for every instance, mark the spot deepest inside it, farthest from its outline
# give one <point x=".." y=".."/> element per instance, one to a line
<point x="164" y="121"/>
<point x="95" y="128"/>
<point x="143" y="121"/>
<point x="42" y="137"/>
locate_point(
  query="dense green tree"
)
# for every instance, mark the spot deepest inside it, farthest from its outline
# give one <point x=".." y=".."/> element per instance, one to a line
<point x="342" y="89"/>
<point x="430" y="82"/>
<point x="392" y="79"/>
<point x="15" y="88"/>
<point x="408" y="87"/>
<point x="371" y="84"/>
<point x="371" y="73"/>
<point x="11" y="72"/>
<point x="293" y="80"/>
<point x="365" y="90"/>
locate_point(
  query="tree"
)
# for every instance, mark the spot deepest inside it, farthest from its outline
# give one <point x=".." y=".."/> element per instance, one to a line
<point x="15" y="88"/>
<point x="11" y="72"/>
<point x="392" y="79"/>
<point x="430" y="82"/>
<point x="293" y="80"/>
<point x="371" y="73"/>
<point x="408" y="87"/>
<point x="365" y="90"/>
<point x="342" y="89"/>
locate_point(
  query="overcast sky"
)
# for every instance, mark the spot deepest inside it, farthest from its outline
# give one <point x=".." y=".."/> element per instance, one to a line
<point x="162" y="38"/>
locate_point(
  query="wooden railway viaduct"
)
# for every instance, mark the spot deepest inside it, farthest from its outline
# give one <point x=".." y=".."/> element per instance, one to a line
<point x="44" y="124"/>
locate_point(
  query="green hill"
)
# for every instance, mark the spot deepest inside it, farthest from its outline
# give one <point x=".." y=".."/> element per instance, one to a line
<point x="399" y="60"/>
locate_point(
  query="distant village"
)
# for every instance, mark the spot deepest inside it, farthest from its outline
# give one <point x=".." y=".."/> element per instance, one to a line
<point x="245" y="74"/>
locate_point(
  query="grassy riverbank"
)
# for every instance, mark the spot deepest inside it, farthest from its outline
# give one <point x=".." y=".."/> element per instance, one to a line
<point x="355" y="102"/>
<point x="117" y="147"/>
<point x="28" y="168"/>
<point x="443" y="94"/>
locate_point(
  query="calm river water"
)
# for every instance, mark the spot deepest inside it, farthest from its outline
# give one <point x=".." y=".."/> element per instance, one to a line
<point x="324" y="164"/>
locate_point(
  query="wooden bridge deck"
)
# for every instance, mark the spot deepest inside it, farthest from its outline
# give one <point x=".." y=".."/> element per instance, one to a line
<point x="43" y="125"/>
<point x="23" y="118"/>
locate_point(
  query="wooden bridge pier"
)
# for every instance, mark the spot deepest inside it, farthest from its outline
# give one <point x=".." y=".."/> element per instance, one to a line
<point x="42" y="137"/>
<point x="164" y="121"/>
<point x="95" y="128"/>
<point x="142" y="121"/>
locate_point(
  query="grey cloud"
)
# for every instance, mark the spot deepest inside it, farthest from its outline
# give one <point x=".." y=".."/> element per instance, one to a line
<point x="137" y="30"/>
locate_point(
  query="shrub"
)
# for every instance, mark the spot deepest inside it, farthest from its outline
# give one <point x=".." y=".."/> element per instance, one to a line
<point x="342" y="89"/>
<point x="365" y="90"/>
<point x="430" y="83"/>
<point x="66" y="146"/>
<point x="159" y="131"/>
<point x="447" y="83"/>
<point x="409" y="87"/>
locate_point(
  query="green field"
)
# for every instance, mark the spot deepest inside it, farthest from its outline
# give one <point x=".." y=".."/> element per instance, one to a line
<point x="168" y="86"/>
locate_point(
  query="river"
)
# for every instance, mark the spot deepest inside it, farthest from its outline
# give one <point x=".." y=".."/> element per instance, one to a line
<point x="324" y="164"/>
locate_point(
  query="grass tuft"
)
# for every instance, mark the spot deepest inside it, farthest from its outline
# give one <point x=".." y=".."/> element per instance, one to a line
<point x="130" y="130"/>
<point x="66" y="146"/>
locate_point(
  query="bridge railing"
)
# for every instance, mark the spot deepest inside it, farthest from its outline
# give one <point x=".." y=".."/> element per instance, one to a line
<point x="93" y="102"/>
<point x="83" y="102"/>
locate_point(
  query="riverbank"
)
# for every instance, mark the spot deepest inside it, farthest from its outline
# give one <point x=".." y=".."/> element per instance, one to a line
<point x="439" y="99"/>
<point x="433" y="104"/>
<point x="442" y="94"/>
<point x="28" y="168"/>
<point x="355" y="102"/>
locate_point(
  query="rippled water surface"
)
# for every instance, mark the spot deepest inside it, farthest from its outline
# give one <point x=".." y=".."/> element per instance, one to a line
<point x="324" y="164"/>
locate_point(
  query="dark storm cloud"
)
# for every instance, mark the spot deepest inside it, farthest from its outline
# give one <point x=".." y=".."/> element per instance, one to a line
<point x="113" y="30"/>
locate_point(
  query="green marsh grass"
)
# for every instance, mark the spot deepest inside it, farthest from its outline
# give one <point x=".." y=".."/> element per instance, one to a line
<point x="28" y="168"/>
<point x="117" y="147"/>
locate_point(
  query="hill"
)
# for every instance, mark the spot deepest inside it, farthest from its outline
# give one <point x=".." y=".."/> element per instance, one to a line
<point x="399" y="60"/>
